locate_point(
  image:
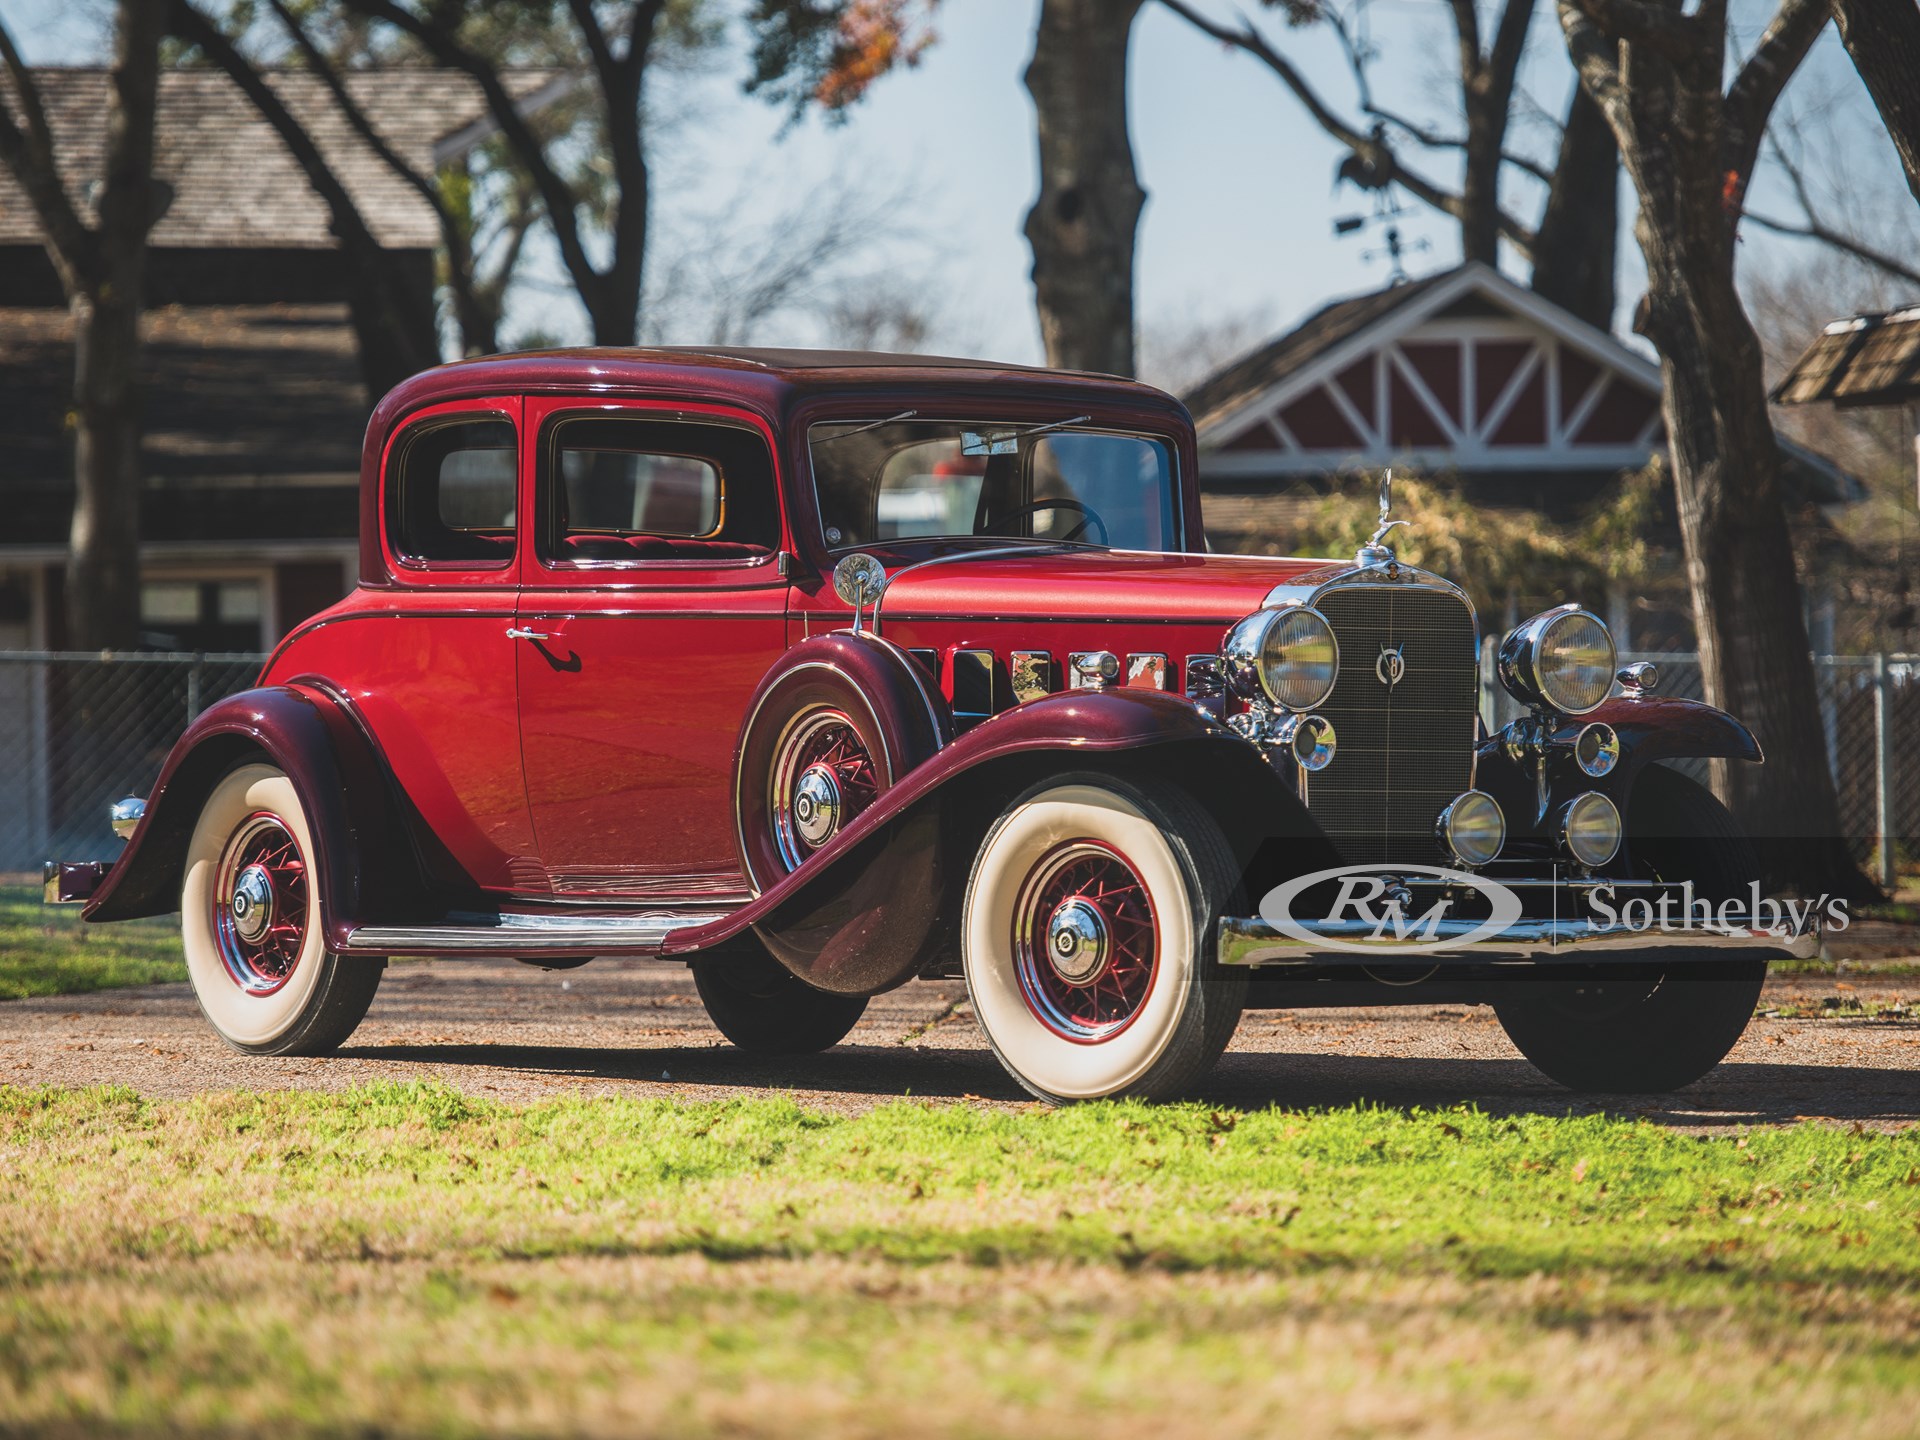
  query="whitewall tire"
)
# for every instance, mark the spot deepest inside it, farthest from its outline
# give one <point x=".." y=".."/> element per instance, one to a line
<point x="1087" y="940"/>
<point x="250" y="924"/>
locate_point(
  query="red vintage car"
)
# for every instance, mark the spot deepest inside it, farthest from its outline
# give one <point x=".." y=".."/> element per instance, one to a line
<point x="822" y="672"/>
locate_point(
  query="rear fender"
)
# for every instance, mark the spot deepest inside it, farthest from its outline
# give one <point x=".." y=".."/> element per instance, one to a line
<point x="898" y="868"/>
<point x="365" y="860"/>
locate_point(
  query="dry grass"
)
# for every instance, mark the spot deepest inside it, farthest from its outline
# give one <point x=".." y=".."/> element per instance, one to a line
<point x="405" y="1260"/>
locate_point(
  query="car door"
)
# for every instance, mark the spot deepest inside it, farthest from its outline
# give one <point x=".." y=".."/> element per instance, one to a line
<point x="652" y="603"/>
<point x="427" y="662"/>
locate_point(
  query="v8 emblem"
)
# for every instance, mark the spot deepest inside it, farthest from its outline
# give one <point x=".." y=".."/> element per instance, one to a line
<point x="1390" y="666"/>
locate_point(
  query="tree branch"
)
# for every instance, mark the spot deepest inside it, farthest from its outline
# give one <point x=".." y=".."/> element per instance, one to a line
<point x="1750" y="99"/>
<point x="29" y="155"/>
<point x="459" y="250"/>
<point x="555" y="194"/>
<point x="1844" y="243"/>
<point x="1378" y="155"/>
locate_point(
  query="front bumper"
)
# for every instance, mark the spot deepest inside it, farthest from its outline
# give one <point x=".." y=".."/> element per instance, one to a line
<point x="1253" y="941"/>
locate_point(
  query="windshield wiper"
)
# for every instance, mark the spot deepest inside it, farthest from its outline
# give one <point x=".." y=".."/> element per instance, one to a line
<point x="871" y="425"/>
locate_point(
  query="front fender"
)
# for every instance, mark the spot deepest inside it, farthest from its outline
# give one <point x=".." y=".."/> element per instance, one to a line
<point x="364" y="863"/>
<point x="825" y="919"/>
<point x="1650" y="729"/>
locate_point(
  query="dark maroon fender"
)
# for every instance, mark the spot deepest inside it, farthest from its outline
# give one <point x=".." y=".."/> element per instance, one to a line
<point x="1656" y="728"/>
<point x="366" y="862"/>
<point x="864" y="912"/>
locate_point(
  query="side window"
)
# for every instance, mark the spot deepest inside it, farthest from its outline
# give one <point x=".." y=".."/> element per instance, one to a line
<point x="621" y="489"/>
<point x="451" y="494"/>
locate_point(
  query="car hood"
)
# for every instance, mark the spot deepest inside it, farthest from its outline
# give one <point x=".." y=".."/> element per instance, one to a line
<point x="1093" y="585"/>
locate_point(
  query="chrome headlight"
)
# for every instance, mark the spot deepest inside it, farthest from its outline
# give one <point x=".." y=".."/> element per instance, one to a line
<point x="1562" y="658"/>
<point x="1588" y="828"/>
<point x="1472" y="828"/>
<point x="1287" y="656"/>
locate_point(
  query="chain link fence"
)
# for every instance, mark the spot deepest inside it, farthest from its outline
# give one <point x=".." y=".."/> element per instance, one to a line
<point x="1870" y="710"/>
<point x="79" y="731"/>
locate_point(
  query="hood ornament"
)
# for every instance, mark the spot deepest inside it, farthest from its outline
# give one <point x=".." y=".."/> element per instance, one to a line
<point x="1374" y="554"/>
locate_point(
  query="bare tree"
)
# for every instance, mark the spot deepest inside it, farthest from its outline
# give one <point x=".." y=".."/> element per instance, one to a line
<point x="393" y="322"/>
<point x="1572" y="249"/>
<point x="618" y="43"/>
<point x="1082" y="226"/>
<point x="102" y="269"/>
<point x="1690" y="146"/>
<point x="1883" y="38"/>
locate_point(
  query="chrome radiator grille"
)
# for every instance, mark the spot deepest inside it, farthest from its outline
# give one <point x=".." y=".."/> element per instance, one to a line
<point x="1405" y="749"/>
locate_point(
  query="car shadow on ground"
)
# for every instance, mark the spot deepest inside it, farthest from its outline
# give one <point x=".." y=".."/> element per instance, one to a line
<point x="1734" y="1094"/>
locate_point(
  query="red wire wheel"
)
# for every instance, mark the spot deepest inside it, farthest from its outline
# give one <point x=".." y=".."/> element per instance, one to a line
<point x="823" y="775"/>
<point x="260" y="904"/>
<point x="1086" y="946"/>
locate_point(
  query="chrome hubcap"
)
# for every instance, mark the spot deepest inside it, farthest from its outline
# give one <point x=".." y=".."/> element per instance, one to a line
<point x="252" y="903"/>
<point x="816" y="805"/>
<point x="1077" y="942"/>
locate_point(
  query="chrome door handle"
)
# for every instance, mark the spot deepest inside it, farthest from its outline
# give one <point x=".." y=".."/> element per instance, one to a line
<point x="518" y="634"/>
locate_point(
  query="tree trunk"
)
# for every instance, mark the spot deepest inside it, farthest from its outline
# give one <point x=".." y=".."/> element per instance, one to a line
<point x="1883" y="37"/>
<point x="1480" y="176"/>
<point x="1576" y="251"/>
<point x="103" y="561"/>
<point x="1082" y="226"/>
<point x="1681" y="139"/>
<point x="1740" y="568"/>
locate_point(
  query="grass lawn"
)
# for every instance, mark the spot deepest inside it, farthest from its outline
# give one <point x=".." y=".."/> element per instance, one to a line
<point x="46" y="950"/>
<point x="404" y="1260"/>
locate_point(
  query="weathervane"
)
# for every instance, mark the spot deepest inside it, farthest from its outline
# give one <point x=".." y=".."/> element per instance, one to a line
<point x="1375" y="553"/>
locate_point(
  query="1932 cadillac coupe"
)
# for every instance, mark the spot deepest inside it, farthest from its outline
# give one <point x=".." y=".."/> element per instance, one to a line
<point x="821" y="672"/>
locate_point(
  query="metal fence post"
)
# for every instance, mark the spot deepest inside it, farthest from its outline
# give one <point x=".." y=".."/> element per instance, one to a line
<point x="1883" y="767"/>
<point x="193" y="687"/>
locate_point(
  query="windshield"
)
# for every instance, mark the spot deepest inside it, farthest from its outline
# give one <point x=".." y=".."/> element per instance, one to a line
<point x="907" y="479"/>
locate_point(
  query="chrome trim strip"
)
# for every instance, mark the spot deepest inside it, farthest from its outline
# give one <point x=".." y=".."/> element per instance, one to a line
<point x="1253" y="941"/>
<point x="513" y="933"/>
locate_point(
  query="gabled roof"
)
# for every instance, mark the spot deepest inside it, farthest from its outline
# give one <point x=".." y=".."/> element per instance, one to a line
<point x="234" y="184"/>
<point x="1862" y="360"/>
<point x="1460" y="371"/>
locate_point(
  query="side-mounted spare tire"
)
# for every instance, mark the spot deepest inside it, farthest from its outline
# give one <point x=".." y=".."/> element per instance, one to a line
<point x="837" y="721"/>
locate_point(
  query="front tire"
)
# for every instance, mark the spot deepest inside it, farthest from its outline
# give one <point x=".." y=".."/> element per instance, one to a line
<point x="1087" y="940"/>
<point x="250" y="925"/>
<point x="764" y="1009"/>
<point x="1649" y="1036"/>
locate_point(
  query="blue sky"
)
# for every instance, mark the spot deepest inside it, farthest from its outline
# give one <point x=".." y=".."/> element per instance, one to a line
<point x="1238" y="223"/>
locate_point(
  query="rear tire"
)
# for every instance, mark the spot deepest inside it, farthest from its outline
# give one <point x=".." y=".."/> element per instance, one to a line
<point x="278" y="991"/>
<point x="1641" y="1036"/>
<point x="764" y="1009"/>
<point x="1088" y="936"/>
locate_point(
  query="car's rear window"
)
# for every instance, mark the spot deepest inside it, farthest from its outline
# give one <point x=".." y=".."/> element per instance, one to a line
<point x="451" y="493"/>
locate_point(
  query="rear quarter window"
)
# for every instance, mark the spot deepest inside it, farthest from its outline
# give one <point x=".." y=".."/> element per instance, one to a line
<point x="451" y="494"/>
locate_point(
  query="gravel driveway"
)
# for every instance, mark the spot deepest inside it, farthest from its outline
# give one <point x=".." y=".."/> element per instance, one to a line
<point x="636" y="1027"/>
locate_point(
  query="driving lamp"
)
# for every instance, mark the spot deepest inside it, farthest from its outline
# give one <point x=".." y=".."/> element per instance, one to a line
<point x="1587" y="827"/>
<point x="1473" y="828"/>
<point x="1561" y="658"/>
<point x="1596" y="749"/>
<point x="1287" y="656"/>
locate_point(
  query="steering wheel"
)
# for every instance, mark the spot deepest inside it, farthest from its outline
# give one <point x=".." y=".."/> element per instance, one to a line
<point x="1089" y="516"/>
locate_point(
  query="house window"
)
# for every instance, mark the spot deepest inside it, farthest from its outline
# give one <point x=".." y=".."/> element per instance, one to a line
<point x="188" y="614"/>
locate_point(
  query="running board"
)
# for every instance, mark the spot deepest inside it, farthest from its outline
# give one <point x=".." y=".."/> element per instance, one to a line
<point x="519" y="934"/>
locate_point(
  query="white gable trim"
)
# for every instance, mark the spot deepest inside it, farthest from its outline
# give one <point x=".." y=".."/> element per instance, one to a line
<point x="1474" y="277"/>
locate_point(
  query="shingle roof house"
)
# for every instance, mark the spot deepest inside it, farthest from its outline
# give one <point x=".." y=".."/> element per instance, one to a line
<point x="254" y="406"/>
